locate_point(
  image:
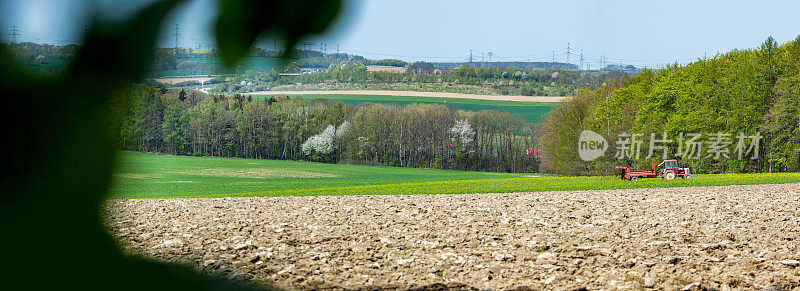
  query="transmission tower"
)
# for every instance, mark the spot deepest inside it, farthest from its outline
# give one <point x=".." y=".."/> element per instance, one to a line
<point x="568" y="53"/>
<point x="553" y="60"/>
<point x="13" y="33"/>
<point x="491" y="54"/>
<point x="470" y="58"/>
<point x="177" y="34"/>
<point x="581" y="61"/>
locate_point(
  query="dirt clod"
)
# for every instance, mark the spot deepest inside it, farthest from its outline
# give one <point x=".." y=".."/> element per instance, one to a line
<point x="791" y="263"/>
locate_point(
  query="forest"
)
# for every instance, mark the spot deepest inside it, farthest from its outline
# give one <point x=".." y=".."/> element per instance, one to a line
<point x="417" y="135"/>
<point x="752" y="92"/>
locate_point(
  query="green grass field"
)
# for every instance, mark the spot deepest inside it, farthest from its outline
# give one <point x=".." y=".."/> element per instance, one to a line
<point x="531" y="112"/>
<point x="144" y="175"/>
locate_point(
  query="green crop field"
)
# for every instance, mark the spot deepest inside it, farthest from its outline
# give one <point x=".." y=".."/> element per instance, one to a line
<point x="531" y="112"/>
<point x="144" y="175"/>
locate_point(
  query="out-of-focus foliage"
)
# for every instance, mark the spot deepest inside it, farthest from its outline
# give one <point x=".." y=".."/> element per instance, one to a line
<point x="250" y="18"/>
<point x="55" y="182"/>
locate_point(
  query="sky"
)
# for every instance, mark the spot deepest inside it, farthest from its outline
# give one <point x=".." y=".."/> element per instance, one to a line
<point x="642" y="33"/>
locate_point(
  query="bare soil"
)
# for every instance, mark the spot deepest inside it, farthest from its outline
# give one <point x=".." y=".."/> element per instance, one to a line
<point x="173" y="81"/>
<point x="419" y="94"/>
<point x="728" y="237"/>
<point x="390" y="69"/>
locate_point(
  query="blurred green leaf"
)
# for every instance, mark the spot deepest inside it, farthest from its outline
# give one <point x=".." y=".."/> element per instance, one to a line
<point x="121" y="51"/>
<point x="240" y="23"/>
<point x="55" y="183"/>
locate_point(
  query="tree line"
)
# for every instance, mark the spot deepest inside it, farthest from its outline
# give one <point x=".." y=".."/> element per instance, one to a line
<point x="506" y="81"/>
<point x="342" y="68"/>
<point x="415" y="135"/>
<point x="748" y="93"/>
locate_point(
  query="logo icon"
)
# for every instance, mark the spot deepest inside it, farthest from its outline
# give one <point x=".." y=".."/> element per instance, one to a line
<point x="591" y="145"/>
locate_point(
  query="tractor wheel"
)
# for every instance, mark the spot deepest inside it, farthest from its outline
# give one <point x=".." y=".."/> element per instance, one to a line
<point x="634" y="178"/>
<point x="687" y="177"/>
<point x="669" y="175"/>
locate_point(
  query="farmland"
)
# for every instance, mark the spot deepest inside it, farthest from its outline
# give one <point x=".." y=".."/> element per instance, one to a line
<point x="143" y="175"/>
<point x="531" y="112"/>
<point x="695" y="238"/>
<point x="346" y="226"/>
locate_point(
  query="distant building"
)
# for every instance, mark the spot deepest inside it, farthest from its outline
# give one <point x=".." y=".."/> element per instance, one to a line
<point x="311" y="70"/>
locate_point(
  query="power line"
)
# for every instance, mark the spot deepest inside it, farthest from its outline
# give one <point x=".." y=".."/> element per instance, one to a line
<point x="462" y="57"/>
<point x="587" y="58"/>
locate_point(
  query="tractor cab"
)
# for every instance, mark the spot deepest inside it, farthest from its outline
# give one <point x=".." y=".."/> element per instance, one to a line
<point x="669" y="165"/>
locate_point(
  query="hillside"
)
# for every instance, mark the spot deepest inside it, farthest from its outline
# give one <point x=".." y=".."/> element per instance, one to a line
<point x="741" y="102"/>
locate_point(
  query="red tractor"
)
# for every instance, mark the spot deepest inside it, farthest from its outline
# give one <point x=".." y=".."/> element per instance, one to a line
<point x="668" y="170"/>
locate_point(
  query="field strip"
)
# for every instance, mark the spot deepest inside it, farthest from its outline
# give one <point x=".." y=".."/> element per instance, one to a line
<point x="419" y="94"/>
<point x="736" y="237"/>
<point x="505" y="185"/>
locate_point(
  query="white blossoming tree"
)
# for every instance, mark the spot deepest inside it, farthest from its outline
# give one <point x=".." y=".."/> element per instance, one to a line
<point x="462" y="132"/>
<point x="323" y="147"/>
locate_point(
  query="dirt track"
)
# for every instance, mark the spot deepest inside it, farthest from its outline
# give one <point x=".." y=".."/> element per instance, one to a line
<point x="419" y="94"/>
<point x="174" y="81"/>
<point x="729" y="237"/>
